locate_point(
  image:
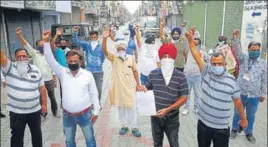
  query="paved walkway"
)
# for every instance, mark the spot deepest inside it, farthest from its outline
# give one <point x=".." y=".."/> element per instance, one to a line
<point x="108" y="125"/>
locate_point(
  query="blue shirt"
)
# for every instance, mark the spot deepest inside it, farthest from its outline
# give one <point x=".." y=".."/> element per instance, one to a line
<point x="131" y="46"/>
<point x="94" y="58"/>
<point x="60" y="55"/>
<point x="257" y="69"/>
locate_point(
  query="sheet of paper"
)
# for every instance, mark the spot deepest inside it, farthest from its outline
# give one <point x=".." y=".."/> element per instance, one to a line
<point x="146" y="103"/>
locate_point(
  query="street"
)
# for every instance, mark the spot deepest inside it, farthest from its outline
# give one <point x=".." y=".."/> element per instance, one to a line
<point x="108" y="125"/>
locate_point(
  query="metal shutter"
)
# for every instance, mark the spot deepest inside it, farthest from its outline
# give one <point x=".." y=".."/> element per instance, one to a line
<point x="14" y="19"/>
<point x="48" y="21"/>
<point x="2" y="37"/>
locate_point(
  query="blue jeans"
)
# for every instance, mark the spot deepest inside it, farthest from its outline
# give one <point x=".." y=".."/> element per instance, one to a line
<point x="194" y="82"/>
<point x="251" y="106"/>
<point x="143" y="79"/>
<point x="69" y="128"/>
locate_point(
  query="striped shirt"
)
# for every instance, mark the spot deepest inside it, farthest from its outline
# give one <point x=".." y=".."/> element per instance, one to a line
<point x="166" y="95"/>
<point x="216" y="98"/>
<point x="23" y="92"/>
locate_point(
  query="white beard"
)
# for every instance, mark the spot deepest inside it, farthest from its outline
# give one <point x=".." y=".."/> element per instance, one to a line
<point x="22" y="67"/>
<point x="167" y="67"/>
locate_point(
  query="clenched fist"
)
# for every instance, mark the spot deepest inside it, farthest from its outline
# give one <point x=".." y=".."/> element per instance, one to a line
<point x="75" y="28"/>
<point x="59" y="31"/>
<point x="46" y="35"/>
<point x="235" y="33"/>
<point x="18" y="30"/>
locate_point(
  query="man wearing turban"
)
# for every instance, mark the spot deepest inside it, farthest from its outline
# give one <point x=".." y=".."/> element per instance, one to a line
<point x="170" y="91"/>
<point x="181" y="44"/>
<point x="125" y="81"/>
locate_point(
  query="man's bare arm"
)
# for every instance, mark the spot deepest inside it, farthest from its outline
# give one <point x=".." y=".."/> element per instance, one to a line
<point x="20" y="36"/>
<point x="4" y="59"/>
<point x="53" y="42"/>
<point x="194" y="50"/>
<point x="161" y="29"/>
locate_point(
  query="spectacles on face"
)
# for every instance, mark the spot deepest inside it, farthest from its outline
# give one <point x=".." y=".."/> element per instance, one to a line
<point x="120" y="49"/>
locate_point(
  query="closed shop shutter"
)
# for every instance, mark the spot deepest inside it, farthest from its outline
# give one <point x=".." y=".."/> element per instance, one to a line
<point x="28" y="20"/>
<point x="48" y="21"/>
<point x="14" y="19"/>
<point x="2" y="37"/>
<point x="36" y="27"/>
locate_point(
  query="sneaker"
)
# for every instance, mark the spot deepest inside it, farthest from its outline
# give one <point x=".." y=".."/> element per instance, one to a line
<point x="185" y="112"/>
<point x="251" y="138"/>
<point x="233" y="134"/>
<point x="123" y="131"/>
<point x="136" y="132"/>
<point x="2" y="115"/>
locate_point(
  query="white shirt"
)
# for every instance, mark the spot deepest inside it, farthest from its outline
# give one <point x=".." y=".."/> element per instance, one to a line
<point x="148" y="60"/>
<point x="40" y="61"/>
<point x="79" y="91"/>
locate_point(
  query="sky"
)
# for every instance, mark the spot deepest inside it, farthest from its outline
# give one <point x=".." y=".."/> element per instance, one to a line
<point x="132" y="6"/>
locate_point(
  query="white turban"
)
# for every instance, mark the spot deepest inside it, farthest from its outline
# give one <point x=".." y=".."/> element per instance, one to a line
<point x="121" y="43"/>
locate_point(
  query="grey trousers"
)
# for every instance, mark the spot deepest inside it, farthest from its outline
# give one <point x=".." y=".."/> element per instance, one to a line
<point x="98" y="80"/>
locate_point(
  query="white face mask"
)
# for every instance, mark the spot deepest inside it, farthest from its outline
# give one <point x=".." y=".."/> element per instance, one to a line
<point x="94" y="44"/>
<point x="167" y="67"/>
<point x="22" y="67"/>
<point x="122" y="54"/>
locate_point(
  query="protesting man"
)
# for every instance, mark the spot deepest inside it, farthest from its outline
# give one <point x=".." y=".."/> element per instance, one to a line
<point x="79" y="93"/>
<point x="253" y="83"/>
<point x="125" y="81"/>
<point x="40" y="61"/>
<point x="131" y="46"/>
<point x="180" y="43"/>
<point x="219" y="89"/>
<point x="60" y="53"/>
<point x="149" y="59"/>
<point x="170" y="91"/>
<point x="24" y="87"/>
<point x="193" y="75"/>
<point x="223" y="47"/>
<point x="94" y="56"/>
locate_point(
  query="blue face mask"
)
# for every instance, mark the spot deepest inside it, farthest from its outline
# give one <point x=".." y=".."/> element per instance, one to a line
<point x="217" y="70"/>
<point x="254" y="54"/>
<point x="41" y="49"/>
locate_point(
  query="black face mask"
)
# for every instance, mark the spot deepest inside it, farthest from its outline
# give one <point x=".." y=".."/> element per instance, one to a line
<point x="73" y="67"/>
<point x="63" y="47"/>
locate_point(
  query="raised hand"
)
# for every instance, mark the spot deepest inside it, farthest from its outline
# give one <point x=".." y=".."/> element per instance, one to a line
<point x="106" y="33"/>
<point x="236" y="33"/>
<point x="18" y="30"/>
<point x="75" y="28"/>
<point x="46" y="35"/>
<point x="59" y="31"/>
